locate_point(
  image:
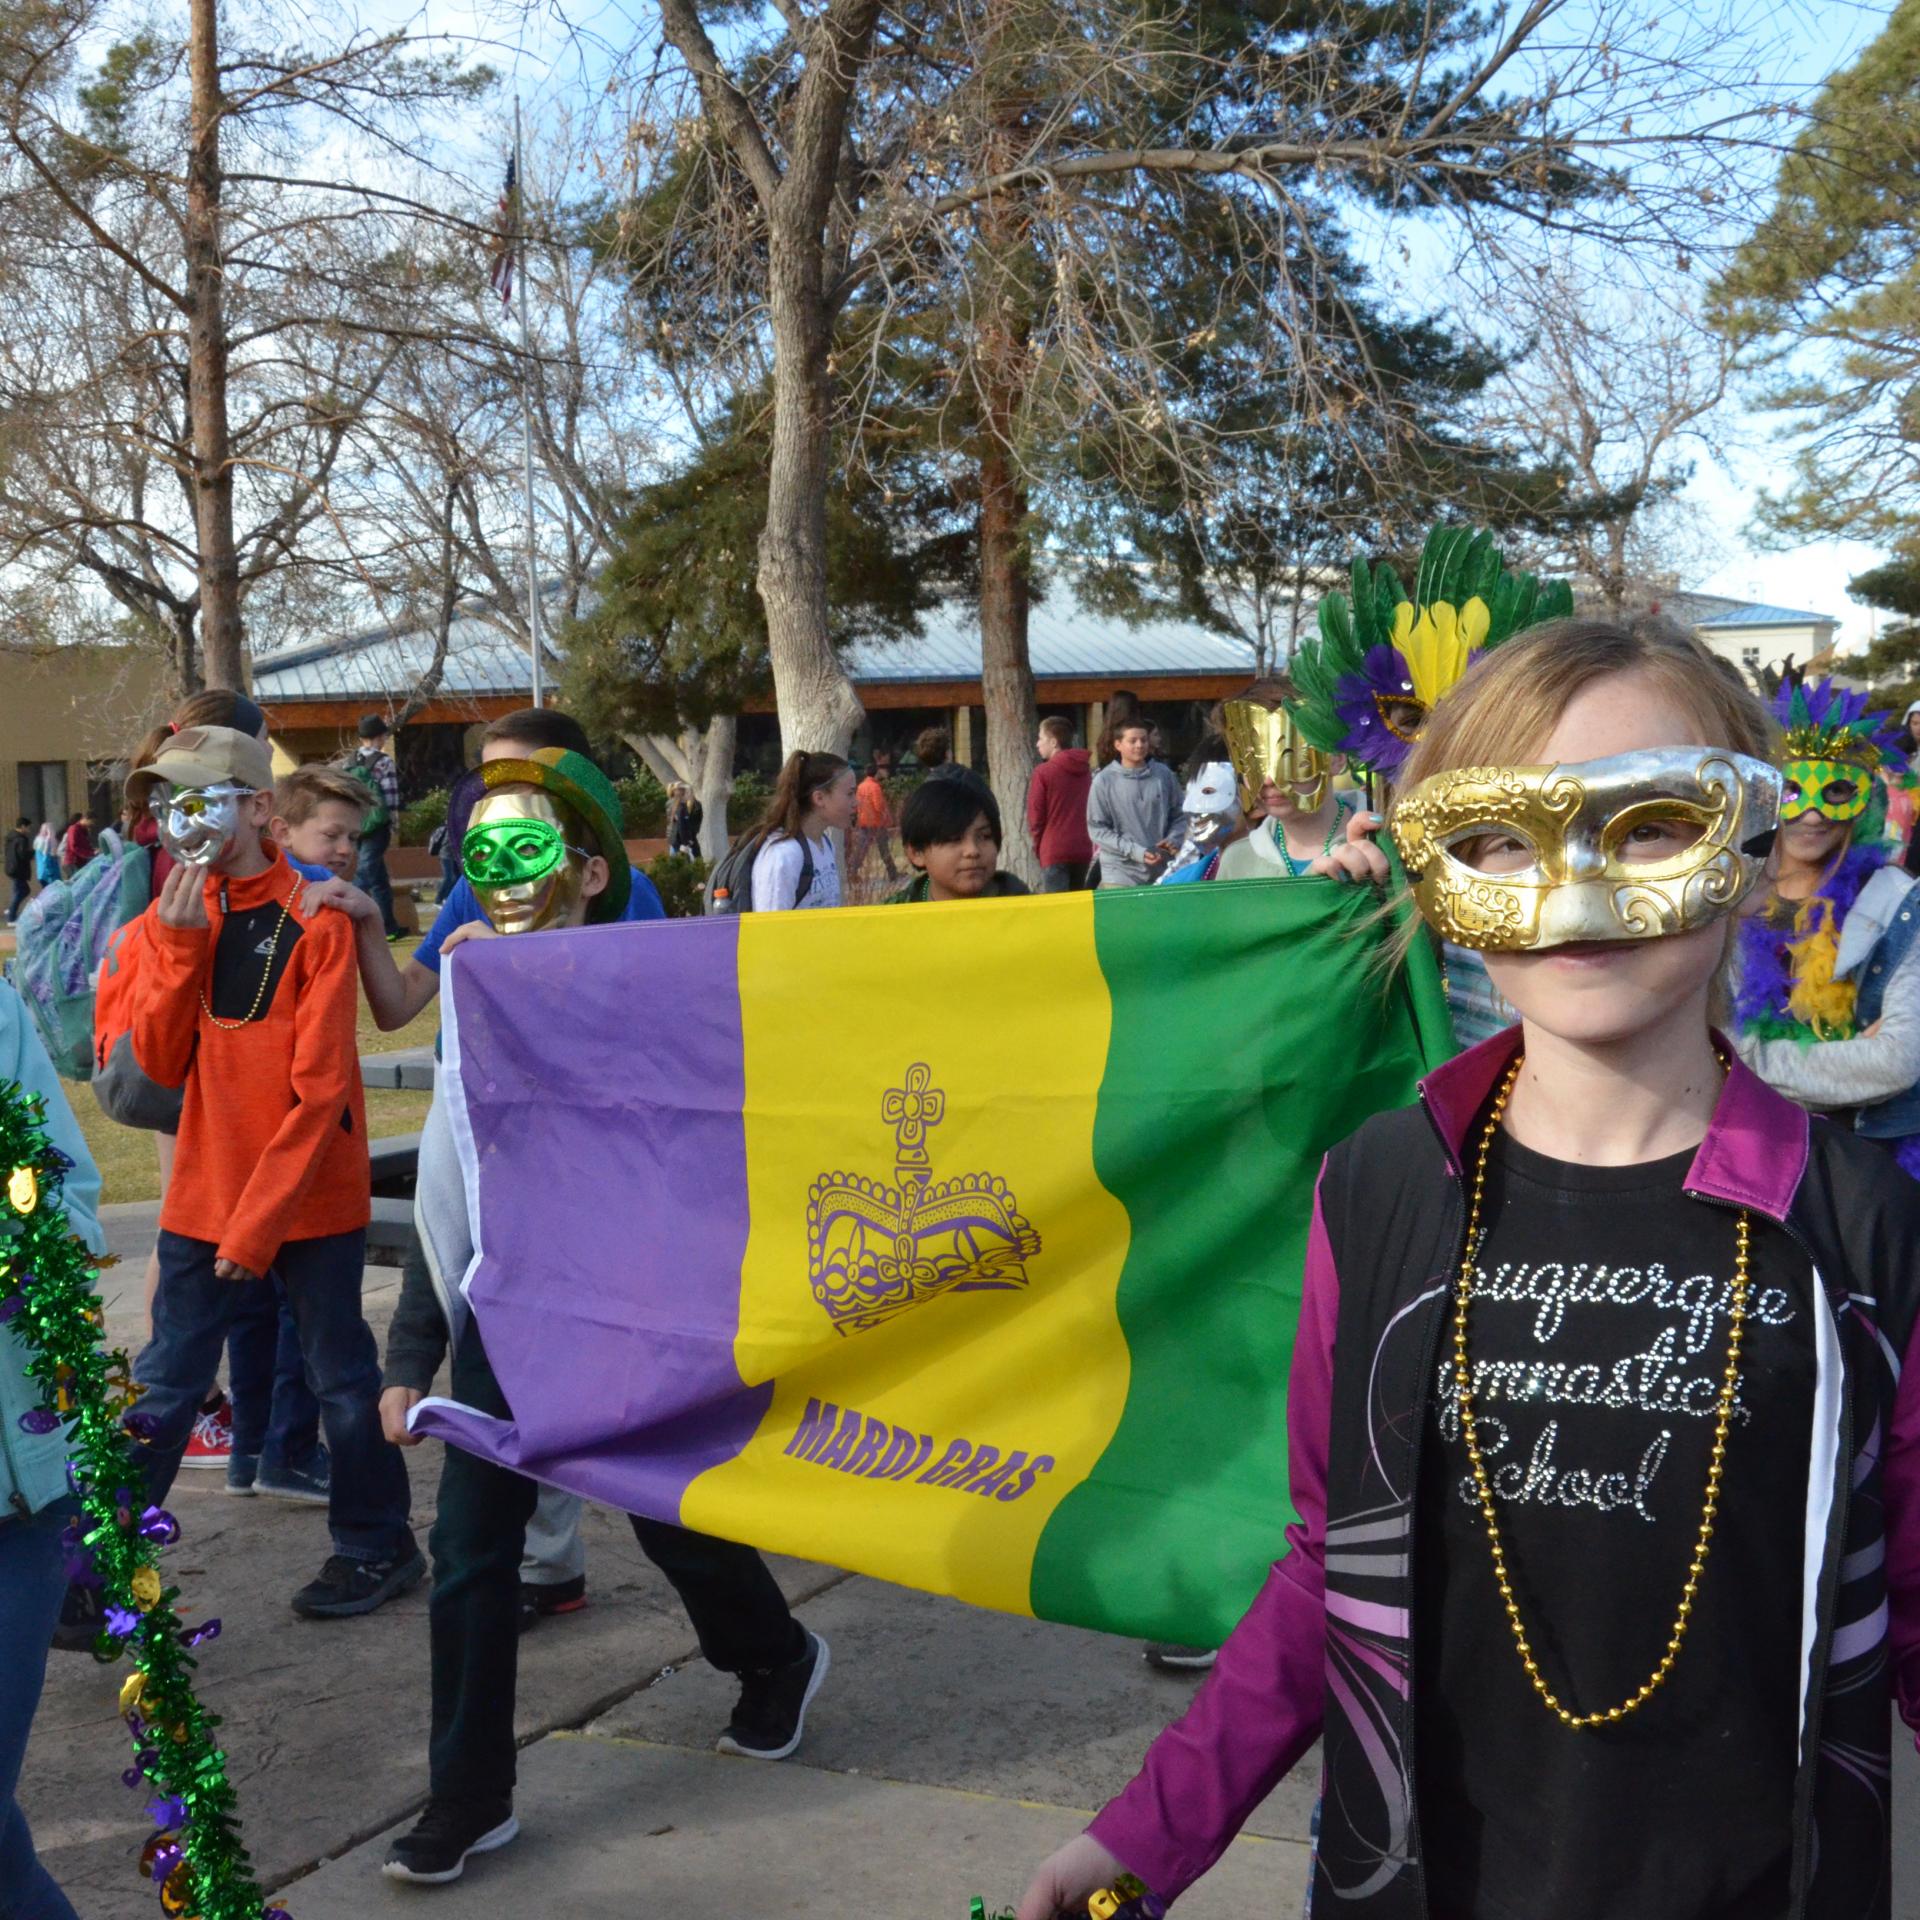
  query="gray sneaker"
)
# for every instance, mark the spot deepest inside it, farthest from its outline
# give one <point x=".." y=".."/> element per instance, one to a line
<point x="243" y="1471"/>
<point x="312" y="1483"/>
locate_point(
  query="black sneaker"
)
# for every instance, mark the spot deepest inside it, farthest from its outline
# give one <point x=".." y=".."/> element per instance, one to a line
<point x="358" y="1586"/>
<point x="1170" y="1657"/>
<point x="771" y="1713"/>
<point x="537" y="1601"/>
<point x="445" y="1834"/>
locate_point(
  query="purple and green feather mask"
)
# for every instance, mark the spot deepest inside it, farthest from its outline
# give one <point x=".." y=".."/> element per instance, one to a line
<point x="1383" y="659"/>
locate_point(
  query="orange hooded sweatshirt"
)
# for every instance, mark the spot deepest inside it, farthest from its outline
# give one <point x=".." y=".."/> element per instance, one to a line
<point x="273" y="1134"/>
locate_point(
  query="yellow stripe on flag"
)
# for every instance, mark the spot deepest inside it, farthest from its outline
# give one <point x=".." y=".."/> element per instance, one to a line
<point x="954" y="1435"/>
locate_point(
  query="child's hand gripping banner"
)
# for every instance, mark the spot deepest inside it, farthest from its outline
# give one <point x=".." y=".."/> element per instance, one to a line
<point x="959" y="1246"/>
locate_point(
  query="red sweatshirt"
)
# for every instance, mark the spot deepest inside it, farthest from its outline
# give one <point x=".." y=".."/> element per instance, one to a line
<point x="273" y="1136"/>
<point x="1057" y="807"/>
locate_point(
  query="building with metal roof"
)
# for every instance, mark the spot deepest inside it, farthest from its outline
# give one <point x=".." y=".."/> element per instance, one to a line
<point x="1751" y="633"/>
<point x="316" y="692"/>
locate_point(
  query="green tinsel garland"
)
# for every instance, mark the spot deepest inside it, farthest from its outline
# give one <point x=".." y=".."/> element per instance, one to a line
<point x="47" y="1299"/>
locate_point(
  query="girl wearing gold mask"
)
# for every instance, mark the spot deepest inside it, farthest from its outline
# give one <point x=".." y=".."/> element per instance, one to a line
<point x="1603" y="1569"/>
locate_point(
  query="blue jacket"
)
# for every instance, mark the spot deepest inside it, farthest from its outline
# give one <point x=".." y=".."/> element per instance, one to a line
<point x="33" y="1467"/>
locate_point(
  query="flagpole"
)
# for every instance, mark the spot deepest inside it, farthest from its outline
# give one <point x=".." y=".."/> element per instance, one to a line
<point x="526" y="423"/>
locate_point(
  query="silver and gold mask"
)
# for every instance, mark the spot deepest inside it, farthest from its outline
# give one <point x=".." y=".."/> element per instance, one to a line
<point x="1266" y="745"/>
<point x="522" y="860"/>
<point x="198" y="824"/>
<point x="1515" y="859"/>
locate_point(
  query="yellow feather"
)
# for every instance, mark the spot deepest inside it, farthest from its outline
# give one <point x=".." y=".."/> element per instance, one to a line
<point x="1818" y="1000"/>
<point x="1438" y="645"/>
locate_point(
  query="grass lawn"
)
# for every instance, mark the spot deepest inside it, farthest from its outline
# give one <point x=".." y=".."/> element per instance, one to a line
<point x="129" y="1171"/>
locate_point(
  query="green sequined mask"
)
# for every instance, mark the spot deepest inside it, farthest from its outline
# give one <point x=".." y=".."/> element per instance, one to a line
<point x="1837" y="788"/>
<point x="516" y="852"/>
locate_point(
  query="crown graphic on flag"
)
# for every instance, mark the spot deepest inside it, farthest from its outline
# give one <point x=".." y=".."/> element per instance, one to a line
<point x="874" y="1250"/>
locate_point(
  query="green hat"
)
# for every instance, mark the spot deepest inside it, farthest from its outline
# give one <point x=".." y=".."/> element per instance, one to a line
<point x="572" y="779"/>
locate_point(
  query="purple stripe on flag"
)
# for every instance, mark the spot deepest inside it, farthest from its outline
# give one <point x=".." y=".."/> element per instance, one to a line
<point x="608" y="1288"/>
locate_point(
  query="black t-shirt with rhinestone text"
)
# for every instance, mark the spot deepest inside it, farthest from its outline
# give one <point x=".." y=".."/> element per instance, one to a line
<point x="1598" y="1337"/>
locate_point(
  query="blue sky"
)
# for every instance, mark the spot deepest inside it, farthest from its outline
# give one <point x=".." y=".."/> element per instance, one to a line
<point x="1805" y="41"/>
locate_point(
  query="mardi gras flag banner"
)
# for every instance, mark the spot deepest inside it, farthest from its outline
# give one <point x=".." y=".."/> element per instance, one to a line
<point x="959" y="1246"/>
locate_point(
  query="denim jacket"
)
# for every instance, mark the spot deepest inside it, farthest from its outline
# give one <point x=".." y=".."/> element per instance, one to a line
<point x="33" y="1467"/>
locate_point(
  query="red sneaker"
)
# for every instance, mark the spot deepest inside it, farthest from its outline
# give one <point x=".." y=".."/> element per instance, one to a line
<point x="211" y="1443"/>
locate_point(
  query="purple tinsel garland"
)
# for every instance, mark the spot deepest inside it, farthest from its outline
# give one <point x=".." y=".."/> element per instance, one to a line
<point x="1766" y="974"/>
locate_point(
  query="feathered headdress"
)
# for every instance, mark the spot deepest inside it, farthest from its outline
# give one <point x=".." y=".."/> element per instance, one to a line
<point x="1382" y="660"/>
<point x="1822" y="720"/>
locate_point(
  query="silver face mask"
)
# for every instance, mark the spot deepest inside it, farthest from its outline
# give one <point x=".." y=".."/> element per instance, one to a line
<point x="1634" y="847"/>
<point x="197" y="824"/>
<point x="1213" y="800"/>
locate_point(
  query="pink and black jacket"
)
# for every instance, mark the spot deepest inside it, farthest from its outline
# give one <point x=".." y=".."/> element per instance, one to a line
<point x="1326" y="1649"/>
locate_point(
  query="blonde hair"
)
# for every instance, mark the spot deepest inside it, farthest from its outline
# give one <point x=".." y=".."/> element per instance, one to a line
<point x="1512" y="699"/>
<point x="299" y="795"/>
<point x="1501" y="714"/>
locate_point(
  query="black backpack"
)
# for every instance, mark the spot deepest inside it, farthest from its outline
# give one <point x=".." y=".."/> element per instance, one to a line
<point x="730" y="885"/>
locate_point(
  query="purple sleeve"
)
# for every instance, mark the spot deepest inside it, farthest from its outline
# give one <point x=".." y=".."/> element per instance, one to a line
<point x="1900" y="1494"/>
<point x="1261" y="1706"/>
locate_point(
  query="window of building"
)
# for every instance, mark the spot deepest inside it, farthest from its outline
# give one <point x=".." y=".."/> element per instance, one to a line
<point x="1750" y="659"/>
<point x="43" y="791"/>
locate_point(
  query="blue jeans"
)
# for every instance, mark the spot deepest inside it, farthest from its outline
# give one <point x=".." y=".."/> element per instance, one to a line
<point x="371" y="874"/>
<point x="32" y="1579"/>
<point x="192" y="1311"/>
<point x="276" y="1419"/>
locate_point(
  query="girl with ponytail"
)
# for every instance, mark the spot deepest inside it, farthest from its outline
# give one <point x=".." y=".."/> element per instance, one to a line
<point x="795" y="866"/>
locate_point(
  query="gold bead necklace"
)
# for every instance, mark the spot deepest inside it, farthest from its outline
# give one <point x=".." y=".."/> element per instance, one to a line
<point x="266" y="972"/>
<point x="1470" y="1432"/>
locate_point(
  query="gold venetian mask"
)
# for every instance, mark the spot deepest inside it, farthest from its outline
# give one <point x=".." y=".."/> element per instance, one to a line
<point x="1513" y="859"/>
<point x="522" y="858"/>
<point x="1266" y="745"/>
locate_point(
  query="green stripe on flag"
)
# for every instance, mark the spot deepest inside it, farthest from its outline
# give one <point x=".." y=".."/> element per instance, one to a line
<point x="1224" y="1086"/>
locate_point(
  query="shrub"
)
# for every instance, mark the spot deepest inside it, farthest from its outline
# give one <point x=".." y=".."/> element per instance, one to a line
<point x="748" y="802"/>
<point x="418" y="818"/>
<point x="680" y="882"/>
<point x="645" y="801"/>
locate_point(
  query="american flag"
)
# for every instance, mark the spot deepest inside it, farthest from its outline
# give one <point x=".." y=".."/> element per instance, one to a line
<point x="506" y="216"/>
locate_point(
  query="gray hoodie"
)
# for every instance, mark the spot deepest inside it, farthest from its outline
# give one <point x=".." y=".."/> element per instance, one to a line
<point x="1129" y="810"/>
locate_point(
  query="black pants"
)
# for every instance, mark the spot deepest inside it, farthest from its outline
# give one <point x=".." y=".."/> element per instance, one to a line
<point x="734" y="1603"/>
<point x="370" y="876"/>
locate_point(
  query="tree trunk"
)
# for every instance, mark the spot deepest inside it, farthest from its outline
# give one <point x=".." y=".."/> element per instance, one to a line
<point x="660" y="756"/>
<point x="1006" y="672"/>
<point x="716" y="784"/>
<point x="183" y="645"/>
<point x="819" y="709"/>
<point x="222" y="645"/>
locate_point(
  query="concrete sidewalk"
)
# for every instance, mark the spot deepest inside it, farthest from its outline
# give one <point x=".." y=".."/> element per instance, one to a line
<point x="948" y="1751"/>
<point x="613" y="1827"/>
